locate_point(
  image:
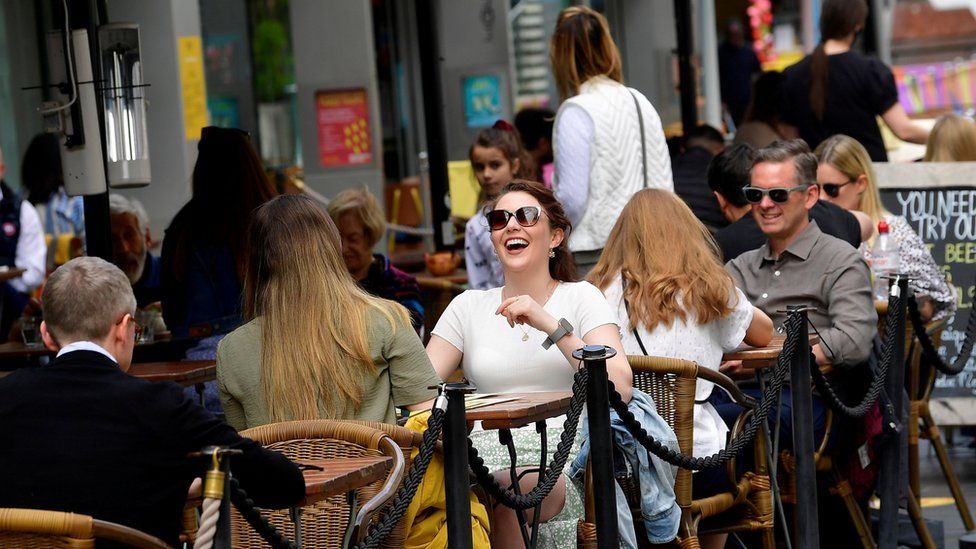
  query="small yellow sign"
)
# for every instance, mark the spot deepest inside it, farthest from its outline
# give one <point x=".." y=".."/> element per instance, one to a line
<point x="194" y="86"/>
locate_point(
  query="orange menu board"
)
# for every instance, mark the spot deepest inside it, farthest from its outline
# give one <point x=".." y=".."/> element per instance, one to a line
<point x="344" y="132"/>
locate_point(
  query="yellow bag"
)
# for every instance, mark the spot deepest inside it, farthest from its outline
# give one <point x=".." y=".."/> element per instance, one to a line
<point x="427" y="514"/>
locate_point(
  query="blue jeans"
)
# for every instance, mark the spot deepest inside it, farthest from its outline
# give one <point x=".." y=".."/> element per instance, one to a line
<point x="730" y="411"/>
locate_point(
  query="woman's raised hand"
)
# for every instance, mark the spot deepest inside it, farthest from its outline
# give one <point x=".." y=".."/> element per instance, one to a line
<point x="522" y="309"/>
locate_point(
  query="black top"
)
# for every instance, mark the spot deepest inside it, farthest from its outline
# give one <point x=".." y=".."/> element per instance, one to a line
<point x="736" y="67"/>
<point x="745" y="235"/>
<point x="80" y="435"/>
<point x="691" y="184"/>
<point x="858" y="89"/>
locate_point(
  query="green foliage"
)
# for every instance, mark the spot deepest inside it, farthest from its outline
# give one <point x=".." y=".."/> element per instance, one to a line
<point x="273" y="61"/>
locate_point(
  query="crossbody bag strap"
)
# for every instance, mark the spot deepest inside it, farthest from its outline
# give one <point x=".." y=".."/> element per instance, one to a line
<point x="640" y="120"/>
<point x="623" y="286"/>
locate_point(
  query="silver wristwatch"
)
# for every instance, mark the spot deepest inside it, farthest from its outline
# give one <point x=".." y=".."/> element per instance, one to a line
<point x="561" y="331"/>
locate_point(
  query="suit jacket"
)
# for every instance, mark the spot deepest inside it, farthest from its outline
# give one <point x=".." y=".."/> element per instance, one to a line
<point x="80" y="435"/>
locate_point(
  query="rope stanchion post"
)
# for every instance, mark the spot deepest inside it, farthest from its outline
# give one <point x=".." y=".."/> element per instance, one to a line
<point x="807" y="529"/>
<point x="456" y="465"/>
<point x="601" y="444"/>
<point x="891" y="449"/>
<point x="216" y="488"/>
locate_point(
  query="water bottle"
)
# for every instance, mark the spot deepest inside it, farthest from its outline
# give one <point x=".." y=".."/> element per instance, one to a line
<point x="884" y="261"/>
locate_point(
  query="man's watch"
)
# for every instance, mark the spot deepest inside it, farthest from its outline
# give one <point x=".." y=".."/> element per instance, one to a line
<point x="561" y="331"/>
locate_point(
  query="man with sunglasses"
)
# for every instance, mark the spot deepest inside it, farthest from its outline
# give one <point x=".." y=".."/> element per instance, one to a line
<point x="800" y="265"/>
<point x="81" y="435"/>
<point x="728" y="173"/>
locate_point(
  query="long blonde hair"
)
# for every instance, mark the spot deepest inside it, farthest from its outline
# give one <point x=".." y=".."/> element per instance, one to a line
<point x="668" y="260"/>
<point x="314" y="317"/>
<point x="850" y="158"/>
<point x="581" y="47"/>
<point x="953" y="139"/>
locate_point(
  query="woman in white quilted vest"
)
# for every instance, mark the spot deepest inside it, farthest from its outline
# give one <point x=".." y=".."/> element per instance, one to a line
<point x="607" y="139"/>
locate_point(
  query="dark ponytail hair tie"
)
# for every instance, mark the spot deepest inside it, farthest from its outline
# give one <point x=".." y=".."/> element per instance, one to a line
<point x="503" y="125"/>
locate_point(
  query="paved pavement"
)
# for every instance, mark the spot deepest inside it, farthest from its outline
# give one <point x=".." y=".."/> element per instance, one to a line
<point x="935" y="492"/>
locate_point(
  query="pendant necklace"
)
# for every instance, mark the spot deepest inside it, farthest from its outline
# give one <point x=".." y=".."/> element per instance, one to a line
<point x="525" y="332"/>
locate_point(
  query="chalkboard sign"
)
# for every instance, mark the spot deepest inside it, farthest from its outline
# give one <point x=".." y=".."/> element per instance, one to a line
<point x="945" y="218"/>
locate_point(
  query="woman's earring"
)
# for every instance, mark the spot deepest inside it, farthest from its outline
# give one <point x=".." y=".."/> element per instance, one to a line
<point x="552" y="252"/>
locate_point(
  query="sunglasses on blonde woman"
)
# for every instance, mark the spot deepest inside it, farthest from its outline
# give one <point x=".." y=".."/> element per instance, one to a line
<point x="833" y="189"/>
<point x="526" y="216"/>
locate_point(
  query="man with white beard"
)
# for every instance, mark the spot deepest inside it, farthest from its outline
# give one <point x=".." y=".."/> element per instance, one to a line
<point x="130" y="249"/>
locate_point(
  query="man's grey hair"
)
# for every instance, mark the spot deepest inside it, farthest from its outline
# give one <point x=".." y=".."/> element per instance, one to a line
<point x="84" y="298"/>
<point x="791" y="149"/>
<point x="118" y="205"/>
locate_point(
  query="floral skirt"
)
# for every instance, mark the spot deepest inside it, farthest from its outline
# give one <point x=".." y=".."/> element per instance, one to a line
<point x="560" y="532"/>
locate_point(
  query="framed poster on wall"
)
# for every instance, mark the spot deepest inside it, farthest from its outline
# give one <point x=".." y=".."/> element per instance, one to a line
<point x="482" y="100"/>
<point x="343" y="127"/>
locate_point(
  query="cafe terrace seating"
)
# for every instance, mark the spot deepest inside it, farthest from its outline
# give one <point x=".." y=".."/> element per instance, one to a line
<point x="324" y="523"/>
<point x="748" y="507"/>
<point x="33" y="528"/>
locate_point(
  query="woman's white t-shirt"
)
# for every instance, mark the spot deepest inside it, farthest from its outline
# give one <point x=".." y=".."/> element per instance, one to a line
<point x="495" y="357"/>
<point x="701" y="343"/>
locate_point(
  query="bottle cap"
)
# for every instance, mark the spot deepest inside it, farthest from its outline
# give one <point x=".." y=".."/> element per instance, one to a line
<point x="882" y="227"/>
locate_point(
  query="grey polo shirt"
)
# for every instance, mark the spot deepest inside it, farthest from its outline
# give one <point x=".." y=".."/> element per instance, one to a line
<point x="820" y="271"/>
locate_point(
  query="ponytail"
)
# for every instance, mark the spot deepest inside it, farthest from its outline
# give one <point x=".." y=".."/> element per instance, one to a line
<point x="818" y="81"/>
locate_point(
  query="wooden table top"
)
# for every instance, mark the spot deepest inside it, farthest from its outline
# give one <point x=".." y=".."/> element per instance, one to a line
<point x="762" y="357"/>
<point x="17" y="349"/>
<point x="10" y="274"/>
<point x="184" y="372"/>
<point x="527" y="409"/>
<point x="342" y="475"/>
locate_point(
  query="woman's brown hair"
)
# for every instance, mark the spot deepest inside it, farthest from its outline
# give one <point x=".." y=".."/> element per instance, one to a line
<point x="561" y="267"/>
<point x="838" y="19"/>
<point x="315" y="319"/>
<point x="581" y="47"/>
<point x="665" y="276"/>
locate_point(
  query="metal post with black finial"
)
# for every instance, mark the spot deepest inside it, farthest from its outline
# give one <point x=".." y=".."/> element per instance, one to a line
<point x="601" y="442"/>
<point x="456" y="480"/>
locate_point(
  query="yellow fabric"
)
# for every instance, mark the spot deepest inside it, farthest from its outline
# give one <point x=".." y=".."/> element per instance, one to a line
<point x="427" y="513"/>
<point x="62" y="253"/>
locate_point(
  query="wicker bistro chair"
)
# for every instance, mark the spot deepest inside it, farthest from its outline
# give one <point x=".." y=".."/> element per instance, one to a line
<point x="747" y="507"/>
<point x="34" y="528"/>
<point x="324" y="524"/>
<point x="919" y="381"/>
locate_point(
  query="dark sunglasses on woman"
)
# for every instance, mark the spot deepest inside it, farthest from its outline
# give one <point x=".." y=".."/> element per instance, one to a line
<point x="833" y="189"/>
<point x="779" y="195"/>
<point x="526" y="216"/>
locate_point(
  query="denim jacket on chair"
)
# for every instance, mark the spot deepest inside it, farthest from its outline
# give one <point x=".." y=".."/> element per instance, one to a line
<point x="656" y="477"/>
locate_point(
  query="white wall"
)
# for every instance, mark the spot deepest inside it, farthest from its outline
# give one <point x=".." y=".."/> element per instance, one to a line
<point x="171" y="155"/>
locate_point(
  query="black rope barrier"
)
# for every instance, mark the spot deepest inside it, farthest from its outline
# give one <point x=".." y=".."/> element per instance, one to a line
<point x="895" y="314"/>
<point x="547" y="479"/>
<point x="768" y="399"/>
<point x="267" y="531"/>
<point x="401" y="501"/>
<point x="383" y="526"/>
<point x="928" y="348"/>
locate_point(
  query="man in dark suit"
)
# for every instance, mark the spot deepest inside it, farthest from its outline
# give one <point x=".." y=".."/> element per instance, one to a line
<point x="81" y="435"/>
<point x="729" y="171"/>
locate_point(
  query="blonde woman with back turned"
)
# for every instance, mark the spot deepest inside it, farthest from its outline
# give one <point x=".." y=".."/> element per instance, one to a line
<point x="953" y="139"/>
<point x="847" y="178"/>
<point x="315" y="344"/>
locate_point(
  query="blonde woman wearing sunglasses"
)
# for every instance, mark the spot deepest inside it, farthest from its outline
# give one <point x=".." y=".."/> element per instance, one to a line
<point x="847" y="179"/>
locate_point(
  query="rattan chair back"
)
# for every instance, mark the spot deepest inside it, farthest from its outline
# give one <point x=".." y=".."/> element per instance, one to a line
<point x="36" y="529"/>
<point x="324" y="523"/>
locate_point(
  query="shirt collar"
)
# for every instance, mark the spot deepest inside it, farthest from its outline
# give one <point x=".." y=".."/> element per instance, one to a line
<point x="800" y="248"/>
<point x="85" y="346"/>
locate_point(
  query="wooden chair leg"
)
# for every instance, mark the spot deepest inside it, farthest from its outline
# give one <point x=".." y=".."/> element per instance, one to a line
<point x="842" y="488"/>
<point x="932" y="431"/>
<point x="918" y="520"/>
<point x="914" y="424"/>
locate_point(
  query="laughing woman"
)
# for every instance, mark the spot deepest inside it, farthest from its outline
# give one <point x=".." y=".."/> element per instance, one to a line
<point x="520" y="337"/>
